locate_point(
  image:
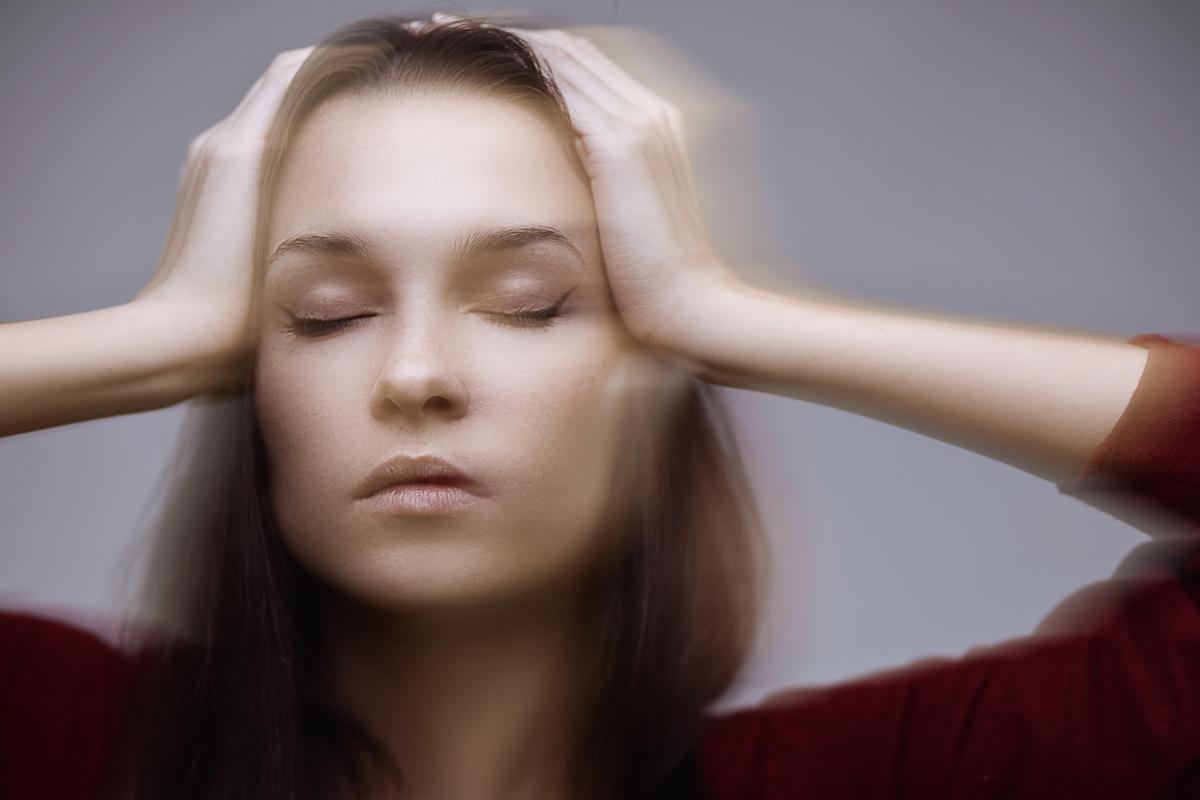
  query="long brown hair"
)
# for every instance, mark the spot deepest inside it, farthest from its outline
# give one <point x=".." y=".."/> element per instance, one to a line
<point x="224" y="701"/>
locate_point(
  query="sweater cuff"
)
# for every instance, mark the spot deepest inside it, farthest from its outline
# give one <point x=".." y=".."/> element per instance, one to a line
<point x="1146" y="471"/>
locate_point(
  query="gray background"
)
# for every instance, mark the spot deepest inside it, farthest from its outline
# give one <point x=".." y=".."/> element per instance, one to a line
<point x="1037" y="162"/>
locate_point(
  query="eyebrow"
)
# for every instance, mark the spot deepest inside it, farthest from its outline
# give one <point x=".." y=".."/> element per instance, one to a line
<point x="475" y="242"/>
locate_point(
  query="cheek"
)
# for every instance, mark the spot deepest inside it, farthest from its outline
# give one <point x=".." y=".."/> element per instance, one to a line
<point x="312" y="410"/>
<point x="561" y="422"/>
<point x="557" y="436"/>
<point x="305" y="441"/>
<point x="556" y="403"/>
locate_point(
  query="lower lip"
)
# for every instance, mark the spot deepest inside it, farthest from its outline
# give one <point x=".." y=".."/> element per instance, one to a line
<point x="422" y="498"/>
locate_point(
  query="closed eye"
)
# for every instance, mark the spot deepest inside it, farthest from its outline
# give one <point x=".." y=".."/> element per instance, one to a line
<point x="532" y="317"/>
<point x="525" y="317"/>
<point x="312" y="326"/>
<point x="528" y="317"/>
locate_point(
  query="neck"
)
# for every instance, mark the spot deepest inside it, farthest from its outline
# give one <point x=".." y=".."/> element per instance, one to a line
<point x="480" y="702"/>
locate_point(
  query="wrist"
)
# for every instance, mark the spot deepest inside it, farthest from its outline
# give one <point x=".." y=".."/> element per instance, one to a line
<point x="706" y="320"/>
<point x="191" y="359"/>
<point x="743" y="336"/>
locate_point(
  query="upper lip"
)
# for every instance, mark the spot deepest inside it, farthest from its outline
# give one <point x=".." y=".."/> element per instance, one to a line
<point x="409" y="469"/>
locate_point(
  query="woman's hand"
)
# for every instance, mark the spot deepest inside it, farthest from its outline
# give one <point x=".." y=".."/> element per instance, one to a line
<point x="660" y="263"/>
<point x="204" y="276"/>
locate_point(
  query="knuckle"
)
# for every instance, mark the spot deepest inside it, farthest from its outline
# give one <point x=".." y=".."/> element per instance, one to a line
<point x="275" y="78"/>
<point x="281" y="66"/>
<point x="232" y="150"/>
<point x="628" y="139"/>
<point x="199" y="144"/>
<point x="673" y="118"/>
<point x="644" y="124"/>
<point x="583" y="43"/>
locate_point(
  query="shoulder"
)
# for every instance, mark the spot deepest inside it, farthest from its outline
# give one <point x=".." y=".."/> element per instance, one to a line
<point x="61" y="690"/>
<point x="51" y="664"/>
<point x="29" y="625"/>
<point x="45" y="645"/>
<point x="56" y="672"/>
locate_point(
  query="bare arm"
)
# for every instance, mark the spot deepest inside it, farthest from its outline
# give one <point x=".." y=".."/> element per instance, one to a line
<point x="132" y="357"/>
<point x="185" y="333"/>
<point x="1041" y="400"/>
<point x="1036" y="398"/>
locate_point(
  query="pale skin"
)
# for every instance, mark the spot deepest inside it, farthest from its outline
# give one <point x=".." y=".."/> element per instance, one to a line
<point x="1040" y="400"/>
<point x="454" y="638"/>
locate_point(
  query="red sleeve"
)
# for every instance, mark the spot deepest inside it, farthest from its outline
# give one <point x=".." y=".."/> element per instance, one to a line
<point x="1103" y="701"/>
<point x="59" y="688"/>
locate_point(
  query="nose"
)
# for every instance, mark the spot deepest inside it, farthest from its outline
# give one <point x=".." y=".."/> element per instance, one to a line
<point x="417" y="380"/>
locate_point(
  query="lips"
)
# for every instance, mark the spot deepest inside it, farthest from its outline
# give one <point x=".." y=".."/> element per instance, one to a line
<point x="426" y="470"/>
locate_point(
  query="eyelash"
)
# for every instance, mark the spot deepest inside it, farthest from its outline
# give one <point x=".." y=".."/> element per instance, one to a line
<point x="527" y="317"/>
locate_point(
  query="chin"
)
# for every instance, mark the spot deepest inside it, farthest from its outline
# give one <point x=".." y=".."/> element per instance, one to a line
<point x="437" y="579"/>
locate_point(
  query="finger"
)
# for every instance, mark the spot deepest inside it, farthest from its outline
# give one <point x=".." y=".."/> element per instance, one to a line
<point x="652" y="162"/>
<point x="621" y="81"/>
<point x="658" y="129"/>
<point x="578" y="51"/>
<point x="570" y="51"/>
<point x="636" y="123"/>
<point x="593" y="125"/>
<point x="605" y="112"/>
<point x="285" y="55"/>
<point x="585" y="52"/>
<point x="589" y="115"/>
<point x="566" y="68"/>
<point x="606" y="99"/>
<point x="254" y="113"/>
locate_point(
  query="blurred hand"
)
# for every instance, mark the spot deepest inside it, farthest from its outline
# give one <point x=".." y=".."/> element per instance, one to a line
<point x="204" y="276"/>
<point x="660" y="264"/>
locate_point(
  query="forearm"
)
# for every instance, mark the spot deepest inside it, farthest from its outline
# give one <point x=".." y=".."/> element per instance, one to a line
<point x="1039" y="399"/>
<point x="127" y="358"/>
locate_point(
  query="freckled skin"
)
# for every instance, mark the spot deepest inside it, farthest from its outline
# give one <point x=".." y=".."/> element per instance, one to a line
<point x="531" y="412"/>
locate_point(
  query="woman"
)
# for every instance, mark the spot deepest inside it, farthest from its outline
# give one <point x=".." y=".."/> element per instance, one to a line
<point x="464" y="518"/>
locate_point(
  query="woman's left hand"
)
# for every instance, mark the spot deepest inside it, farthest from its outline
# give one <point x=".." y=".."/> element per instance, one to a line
<point x="660" y="264"/>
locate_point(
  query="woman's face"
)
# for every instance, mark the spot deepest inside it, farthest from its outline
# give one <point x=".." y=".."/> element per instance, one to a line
<point x="526" y="407"/>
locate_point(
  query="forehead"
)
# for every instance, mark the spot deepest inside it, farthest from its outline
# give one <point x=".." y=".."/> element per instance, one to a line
<point x="422" y="168"/>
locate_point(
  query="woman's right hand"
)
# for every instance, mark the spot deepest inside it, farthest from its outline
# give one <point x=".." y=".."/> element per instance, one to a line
<point x="204" y="276"/>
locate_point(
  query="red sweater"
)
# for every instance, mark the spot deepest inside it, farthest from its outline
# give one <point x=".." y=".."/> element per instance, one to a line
<point x="1103" y="700"/>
